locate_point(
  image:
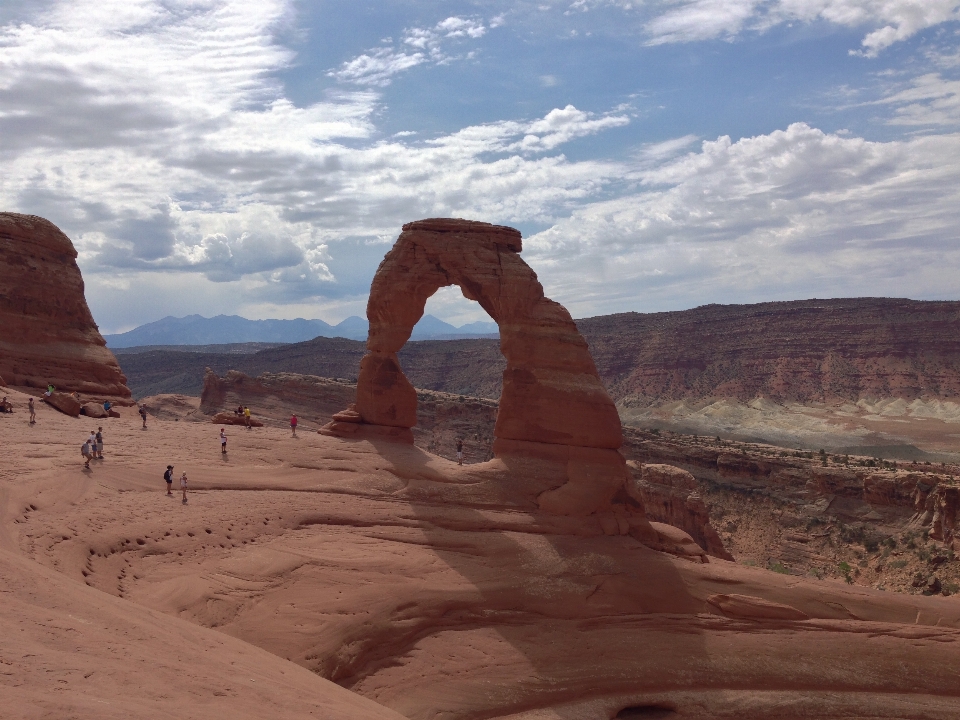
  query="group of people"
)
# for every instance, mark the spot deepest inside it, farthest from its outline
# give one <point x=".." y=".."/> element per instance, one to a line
<point x="168" y="478"/>
<point x="92" y="448"/>
<point x="244" y="412"/>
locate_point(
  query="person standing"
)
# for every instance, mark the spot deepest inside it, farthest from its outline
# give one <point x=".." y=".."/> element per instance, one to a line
<point x="293" y="424"/>
<point x="183" y="487"/>
<point x="223" y="442"/>
<point x="33" y="411"/>
<point x="168" y="477"/>
<point x="85" y="451"/>
<point x="143" y="415"/>
<point x="246" y="416"/>
<point x="459" y="451"/>
<point x="100" y="442"/>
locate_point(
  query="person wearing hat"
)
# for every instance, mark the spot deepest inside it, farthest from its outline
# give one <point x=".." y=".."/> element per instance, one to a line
<point x="168" y="476"/>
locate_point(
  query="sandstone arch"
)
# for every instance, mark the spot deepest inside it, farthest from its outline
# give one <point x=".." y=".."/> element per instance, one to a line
<point x="553" y="405"/>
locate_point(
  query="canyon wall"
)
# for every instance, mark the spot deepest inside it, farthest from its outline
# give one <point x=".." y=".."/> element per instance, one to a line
<point x="48" y="334"/>
<point x="805" y="350"/>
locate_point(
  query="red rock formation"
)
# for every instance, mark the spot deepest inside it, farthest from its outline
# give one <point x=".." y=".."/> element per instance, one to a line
<point x="806" y="350"/>
<point x="49" y="336"/>
<point x="64" y="402"/>
<point x="669" y="495"/>
<point x="553" y="403"/>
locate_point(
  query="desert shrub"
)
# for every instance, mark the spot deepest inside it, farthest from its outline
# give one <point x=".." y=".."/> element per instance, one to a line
<point x="779" y="567"/>
<point x="898" y="564"/>
<point x="950" y="588"/>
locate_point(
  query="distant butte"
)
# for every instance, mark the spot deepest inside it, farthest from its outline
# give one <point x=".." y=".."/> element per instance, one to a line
<point x="49" y="336"/>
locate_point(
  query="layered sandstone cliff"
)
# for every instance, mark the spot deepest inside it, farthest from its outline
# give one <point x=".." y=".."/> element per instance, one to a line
<point x="805" y="350"/>
<point x="48" y="334"/>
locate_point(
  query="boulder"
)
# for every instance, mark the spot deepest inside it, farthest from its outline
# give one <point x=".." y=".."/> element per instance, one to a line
<point x="49" y="336"/>
<point x="94" y="410"/>
<point x="64" y="402"/>
<point x="228" y="418"/>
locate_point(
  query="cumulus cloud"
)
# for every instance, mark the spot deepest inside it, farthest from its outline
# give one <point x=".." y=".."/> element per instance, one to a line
<point x="774" y="216"/>
<point x="156" y="135"/>
<point x="891" y="20"/>
<point x="419" y="45"/>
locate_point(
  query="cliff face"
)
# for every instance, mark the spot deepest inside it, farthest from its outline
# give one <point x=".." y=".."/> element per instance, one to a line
<point x="808" y="351"/>
<point x="48" y="334"/>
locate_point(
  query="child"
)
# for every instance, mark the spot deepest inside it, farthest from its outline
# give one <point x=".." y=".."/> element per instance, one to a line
<point x="168" y="477"/>
<point x="223" y="442"/>
<point x="85" y="451"/>
<point x="293" y="424"/>
<point x="183" y="487"/>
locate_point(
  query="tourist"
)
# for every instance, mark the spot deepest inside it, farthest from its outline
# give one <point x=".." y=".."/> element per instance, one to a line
<point x="293" y="424"/>
<point x="85" y="451"/>
<point x="246" y="416"/>
<point x="183" y="487"/>
<point x="33" y="411"/>
<point x="459" y="451"/>
<point x="100" y="443"/>
<point x="143" y="415"/>
<point x="5" y="405"/>
<point x="168" y="478"/>
<point x="50" y="390"/>
<point x="93" y="444"/>
<point x="106" y="405"/>
<point x="223" y="442"/>
<point x="239" y="410"/>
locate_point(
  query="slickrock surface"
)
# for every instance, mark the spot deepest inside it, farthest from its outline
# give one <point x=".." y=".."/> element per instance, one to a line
<point x="435" y="590"/>
<point x="49" y="336"/>
<point x="553" y="408"/>
<point x="272" y="398"/>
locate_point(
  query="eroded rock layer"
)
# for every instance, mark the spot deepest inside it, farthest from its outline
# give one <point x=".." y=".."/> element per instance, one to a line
<point x="49" y="336"/>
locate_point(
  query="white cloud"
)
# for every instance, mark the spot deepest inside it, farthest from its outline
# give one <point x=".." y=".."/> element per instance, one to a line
<point x="377" y="67"/>
<point x="785" y="215"/>
<point x="155" y="134"/>
<point x="891" y="20"/>
<point x="930" y="100"/>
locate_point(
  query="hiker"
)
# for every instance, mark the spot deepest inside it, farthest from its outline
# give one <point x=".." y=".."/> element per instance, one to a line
<point x="246" y="416"/>
<point x="85" y="451"/>
<point x="223" y="442"/>
<point x="106" y="405"/>
<point x="50" y="390"/>
<point x="5" y="405"/>
<point x="143" y="415"/>
<point x="239" y="410"/>
<point x="183" y="487"/>
<point x="93" y="445"/>
<point x="99" y="437"/>
<point x="33" y="411"/>
<point x="459" y="451"/>
<point x="293" y="424"/>
<point x="168" y="477"/>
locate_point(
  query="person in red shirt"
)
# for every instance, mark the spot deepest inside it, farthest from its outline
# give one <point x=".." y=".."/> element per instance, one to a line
<point x="293" y="424"/>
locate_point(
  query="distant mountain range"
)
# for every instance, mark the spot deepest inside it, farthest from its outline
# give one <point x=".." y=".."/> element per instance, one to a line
<point x="223" y="329"/>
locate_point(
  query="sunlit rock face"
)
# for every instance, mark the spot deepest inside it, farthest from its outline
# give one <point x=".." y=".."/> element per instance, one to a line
<point x="48" y="335"/>
<point x="553" y="405"/>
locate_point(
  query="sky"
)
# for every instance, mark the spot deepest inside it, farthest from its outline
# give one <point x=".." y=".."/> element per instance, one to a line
<point x="258" y="157"/>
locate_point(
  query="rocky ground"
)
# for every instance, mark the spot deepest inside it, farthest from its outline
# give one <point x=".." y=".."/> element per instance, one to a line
<point x="428" y="589"/>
